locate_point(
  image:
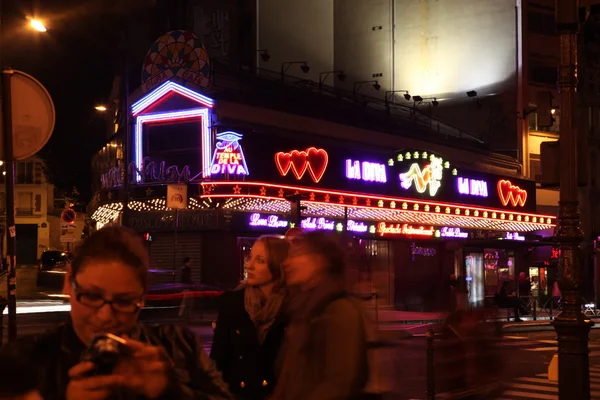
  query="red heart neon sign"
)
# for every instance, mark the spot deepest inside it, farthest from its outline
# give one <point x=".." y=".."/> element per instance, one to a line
<point x="312" y="159"/>
<point x="511" y="193"/>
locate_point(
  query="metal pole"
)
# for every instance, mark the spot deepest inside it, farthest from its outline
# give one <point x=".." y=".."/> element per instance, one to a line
<point x="126" y="150"/>
<point x="176" y="240"/>
<point x="11" y="244"/>
<point x="430" y="392"/>
<point x="571" y="326"/>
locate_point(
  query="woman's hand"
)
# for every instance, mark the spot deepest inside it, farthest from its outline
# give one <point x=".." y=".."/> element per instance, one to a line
<point x="145" y="371"/>
<point x="82" y="386"/>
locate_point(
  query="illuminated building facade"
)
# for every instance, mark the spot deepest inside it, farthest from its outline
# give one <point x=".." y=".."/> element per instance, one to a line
<point x="416" y="211"/>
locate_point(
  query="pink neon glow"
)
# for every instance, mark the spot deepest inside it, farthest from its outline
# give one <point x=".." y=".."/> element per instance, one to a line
<point x="164" y="90"/>
<point x="366" y="171"/>
<point x="201" y="114"/>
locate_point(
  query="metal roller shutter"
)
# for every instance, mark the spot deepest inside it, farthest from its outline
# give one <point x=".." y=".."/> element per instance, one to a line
<point x="163" y="256"/>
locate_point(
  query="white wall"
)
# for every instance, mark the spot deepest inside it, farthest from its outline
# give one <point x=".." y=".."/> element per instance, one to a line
<point x="295" y="30"/>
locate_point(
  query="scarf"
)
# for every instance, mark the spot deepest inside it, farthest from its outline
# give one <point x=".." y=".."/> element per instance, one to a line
<point x="263" y="310"/>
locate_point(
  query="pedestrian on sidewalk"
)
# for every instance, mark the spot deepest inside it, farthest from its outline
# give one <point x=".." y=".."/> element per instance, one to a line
<point x="187" y="300"/>
<point x="250" y="326"/>
<point x="327" y="352"/>
<point x="107" y="283"/>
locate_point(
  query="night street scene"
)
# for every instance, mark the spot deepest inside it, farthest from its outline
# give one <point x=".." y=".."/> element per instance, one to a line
<point x="300" y="200"/>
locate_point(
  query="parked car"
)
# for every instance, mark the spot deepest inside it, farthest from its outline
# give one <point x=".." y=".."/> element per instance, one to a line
<point x="52" y="267"/>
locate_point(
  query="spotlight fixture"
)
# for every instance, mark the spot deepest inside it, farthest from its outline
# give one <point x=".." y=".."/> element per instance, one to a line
<point x="435" y="103"/>
<point x="305" y="68"/>
<point x="417" y="98"/>
<point x="264" y="54"/>
<point x="472" y="93"/>
<point x="376" y="85"/>
<point x="407" y="96"/>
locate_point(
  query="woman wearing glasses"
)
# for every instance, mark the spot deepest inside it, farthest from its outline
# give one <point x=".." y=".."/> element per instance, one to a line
<point x="107" y="282"/>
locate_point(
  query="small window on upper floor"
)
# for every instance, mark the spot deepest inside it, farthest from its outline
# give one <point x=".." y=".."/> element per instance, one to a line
<point x="29" y="172"/>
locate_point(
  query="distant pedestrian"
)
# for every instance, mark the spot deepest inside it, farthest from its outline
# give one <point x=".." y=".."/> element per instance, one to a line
<point x="186" y="271"/>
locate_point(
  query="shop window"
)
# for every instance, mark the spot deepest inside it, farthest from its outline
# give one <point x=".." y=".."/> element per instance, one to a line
<point x="535" y="168"/>
<point x="372" y="270"/>
<point x="541" y="23"/>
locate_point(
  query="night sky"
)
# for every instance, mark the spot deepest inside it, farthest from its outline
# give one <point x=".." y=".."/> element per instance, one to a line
<point x="75" y="60"/>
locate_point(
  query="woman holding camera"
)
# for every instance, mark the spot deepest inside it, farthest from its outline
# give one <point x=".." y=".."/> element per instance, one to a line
<point x="249" y="329"/>
<point x="107" y="282"/>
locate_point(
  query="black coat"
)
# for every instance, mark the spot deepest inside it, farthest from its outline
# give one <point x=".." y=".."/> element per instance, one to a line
<point x="247" y="366"/>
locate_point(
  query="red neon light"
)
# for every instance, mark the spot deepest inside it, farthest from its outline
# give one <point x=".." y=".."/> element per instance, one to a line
<point x="404" y="229"/>
<point x="312" y="160"/>
<point x="358" y="195"/>
<point x="511" y="193"/>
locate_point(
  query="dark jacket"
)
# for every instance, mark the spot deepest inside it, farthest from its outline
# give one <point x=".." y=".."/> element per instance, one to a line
<point x="51" y="355"/>
<point x="247" y="366"/>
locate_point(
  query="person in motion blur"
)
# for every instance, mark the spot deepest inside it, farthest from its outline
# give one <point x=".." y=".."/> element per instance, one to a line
<point x="325" y="350"/>
<point x="186" y="271"/>
<point x="250" y="327"/>
<point x="106" y="282"/>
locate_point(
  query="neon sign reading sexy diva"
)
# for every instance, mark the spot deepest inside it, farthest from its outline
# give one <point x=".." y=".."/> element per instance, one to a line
<point x="228" y="157"/>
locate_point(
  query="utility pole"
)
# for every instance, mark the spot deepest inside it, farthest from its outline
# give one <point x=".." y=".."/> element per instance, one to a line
<point x="572" y="327"/>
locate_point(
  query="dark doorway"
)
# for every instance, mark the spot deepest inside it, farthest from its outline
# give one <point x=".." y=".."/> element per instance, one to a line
<point x="27" y="239"/>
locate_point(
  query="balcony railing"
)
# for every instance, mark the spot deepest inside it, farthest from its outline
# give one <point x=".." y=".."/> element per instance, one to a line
<point x="24" y="212"/>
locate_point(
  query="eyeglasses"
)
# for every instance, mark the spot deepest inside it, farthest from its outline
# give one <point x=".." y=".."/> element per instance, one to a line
<point x="94" y="300"/>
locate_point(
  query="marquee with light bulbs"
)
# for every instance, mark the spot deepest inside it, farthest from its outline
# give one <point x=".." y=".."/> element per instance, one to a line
<point x="255" y="173"/>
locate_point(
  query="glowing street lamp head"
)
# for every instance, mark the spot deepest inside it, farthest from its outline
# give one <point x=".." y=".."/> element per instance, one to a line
<point x="100" y="108"/>
<point x="38" y="25"/>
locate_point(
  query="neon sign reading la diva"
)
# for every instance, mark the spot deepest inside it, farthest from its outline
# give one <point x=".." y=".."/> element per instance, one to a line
<point x="404" y="229"/>
<point x="429" y="177"/>
<point x="228" y="157"/>
<point x="472" y="187"/>
<point x="366" y="171"/>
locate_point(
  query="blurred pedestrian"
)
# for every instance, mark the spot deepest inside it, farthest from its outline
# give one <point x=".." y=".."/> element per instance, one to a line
<point x="250" y="327"/>
<point x="325" y="350"/>
<point x="107" y="283"/>
<point x="186" y="271"/>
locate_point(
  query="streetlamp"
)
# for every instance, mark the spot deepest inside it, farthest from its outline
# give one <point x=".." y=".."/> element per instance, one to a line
<point x="572" y="327"/>
<point x="323" y="75"/>
<point x="38" y="25"/>
<point x="286" y="65"/>
<point x="358" y="85"/>
<point x="100" y="108"/>
<point x="389" y="95"/>
<point x="9" y="159"/>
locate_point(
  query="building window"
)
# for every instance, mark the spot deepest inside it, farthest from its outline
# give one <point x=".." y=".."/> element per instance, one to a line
<point x="535" y="168"/>
<point x="25" y="204"/>
<point x="28" y="172"/>
<point x="547" y="75"/>
<point x="541" y="23"/>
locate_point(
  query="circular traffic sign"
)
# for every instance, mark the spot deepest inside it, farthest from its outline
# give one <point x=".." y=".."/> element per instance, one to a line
<point x="32" y="115"/>
<point x="68" y="216"/>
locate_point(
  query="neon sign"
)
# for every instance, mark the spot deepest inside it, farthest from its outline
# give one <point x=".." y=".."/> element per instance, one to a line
<point x="312" y="160"/>
<point x="421" y="251"/>
<point x="150" y="171"/>
<point x="514" y="236"/>
<point x="354" y="226"/>
<point x="366" y="171"/>
<point x="228" y="157"/>
<point x="472" y="187"/>
<point x="268" y="221"/>
<point x="453" y="233"/>
<point x="430" y="176"/>
<point x="512" y="194"/>
<point x="165" y="117"/>
<point x="404" y="229"/>
<point x="555" y="253"/>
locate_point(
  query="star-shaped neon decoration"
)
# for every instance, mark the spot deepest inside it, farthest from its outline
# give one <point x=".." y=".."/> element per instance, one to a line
<point x="280" y="193"/>
<point x="237" y="189"/>
<point x="109" y="195"/>
<point x="368" y="202"/>
<point x="149" y="192"/>
<point x="207" y="189"/>
<point x="354" y="201"/>
<point x="263" y="191"/>
<point x="327" y="198"/>
<point x="311" y="196"/>
<point x="341" y="199"/>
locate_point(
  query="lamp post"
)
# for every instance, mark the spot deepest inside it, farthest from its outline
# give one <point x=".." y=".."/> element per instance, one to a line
<point x="10" y="163"/>
<point x="572" y="327"/>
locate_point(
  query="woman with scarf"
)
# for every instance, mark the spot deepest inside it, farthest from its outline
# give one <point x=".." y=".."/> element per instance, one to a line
<point x="249" y="330"/>
<point x="325" y="355"/>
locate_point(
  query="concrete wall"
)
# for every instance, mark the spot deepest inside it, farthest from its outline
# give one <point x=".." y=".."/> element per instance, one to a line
<point x="294" y="30"/>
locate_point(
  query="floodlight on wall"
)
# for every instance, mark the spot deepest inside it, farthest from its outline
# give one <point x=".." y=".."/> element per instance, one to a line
<point x="389" y="96"/>
<point x="417" y="99"/>
<point x="323" y="76"/>
<point x="434" y="102"/>
<point x="472" y="93"/>
<point x="286" y="65"/>
<point x="357" y="86"/>
<point x="264" y="54"/>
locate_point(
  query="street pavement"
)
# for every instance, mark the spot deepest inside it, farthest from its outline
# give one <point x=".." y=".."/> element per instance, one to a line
<point x="523" y="357"/>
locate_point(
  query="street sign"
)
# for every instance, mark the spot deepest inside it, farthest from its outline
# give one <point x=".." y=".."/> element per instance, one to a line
<point x="68" y="215"/>
<point x="177" y="196"/>
<point x="67" y="238"/>
<point x="32" y="116"/>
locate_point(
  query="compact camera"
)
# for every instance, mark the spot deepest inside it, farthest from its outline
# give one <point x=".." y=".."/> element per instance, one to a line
<point x="105" y="351"/>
